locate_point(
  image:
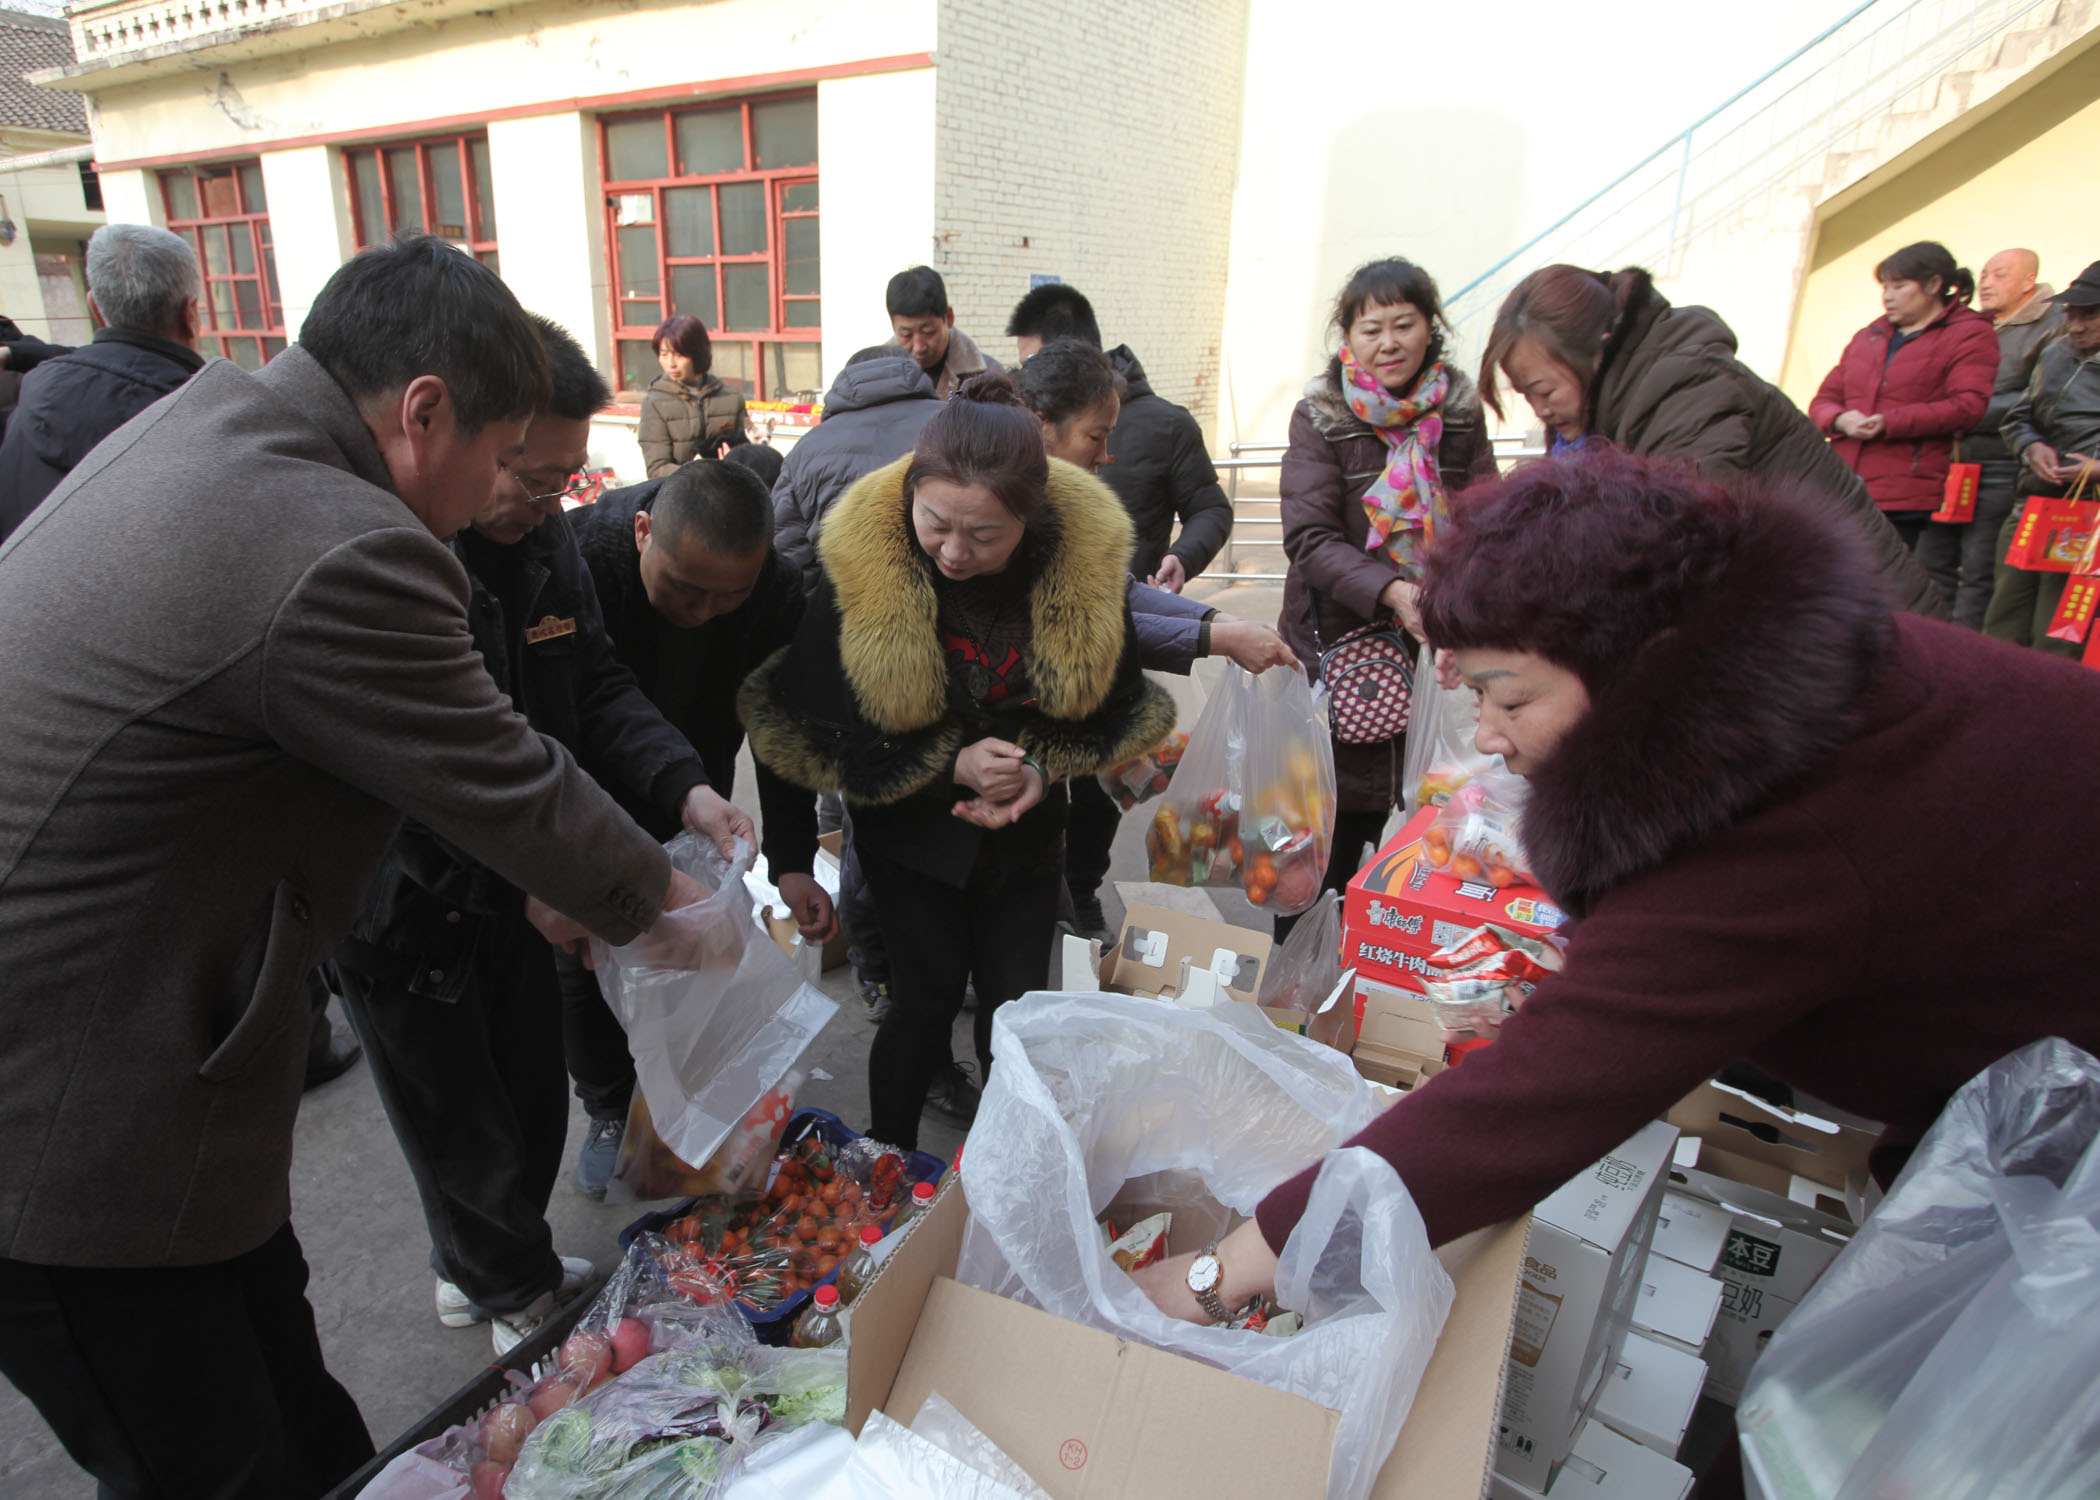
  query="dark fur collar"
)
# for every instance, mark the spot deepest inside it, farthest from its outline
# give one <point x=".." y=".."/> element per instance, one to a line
<point x="888" y="640"/>
<point x="1769" y="670"/>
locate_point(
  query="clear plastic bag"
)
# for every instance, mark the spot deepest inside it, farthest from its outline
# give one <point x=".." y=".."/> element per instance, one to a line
<point x="715" y="1013"/>
<point x="1952" y="1351"/>
<point x="1479" y="835"/>
<point x="1144" y="777"/>
<point x="1252" y="802"/>
<point x="1309" y="964"/>
<point x="1203" y="1112"/>
<point x="891" y="1462"/>
<point x="941" y="1424"/>
<point x="1440" y="755"/>
<point x="648" y="1170"/>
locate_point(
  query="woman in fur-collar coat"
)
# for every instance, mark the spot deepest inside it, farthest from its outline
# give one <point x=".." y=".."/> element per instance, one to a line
<point x="967" y="648"/>
<point x="1754" y="791"/>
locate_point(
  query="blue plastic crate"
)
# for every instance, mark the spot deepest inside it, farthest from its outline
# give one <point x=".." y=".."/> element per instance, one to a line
<point x="773" y="1324"/>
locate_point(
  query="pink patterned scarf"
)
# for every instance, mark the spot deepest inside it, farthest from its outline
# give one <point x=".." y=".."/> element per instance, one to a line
<point x="1405" y="500"/>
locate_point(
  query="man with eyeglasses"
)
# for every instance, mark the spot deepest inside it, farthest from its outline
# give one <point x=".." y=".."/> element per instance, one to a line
<point x="451" y="989"/>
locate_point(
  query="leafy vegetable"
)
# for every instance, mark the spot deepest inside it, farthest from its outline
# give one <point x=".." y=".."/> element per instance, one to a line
<point x="564" y="1439"/>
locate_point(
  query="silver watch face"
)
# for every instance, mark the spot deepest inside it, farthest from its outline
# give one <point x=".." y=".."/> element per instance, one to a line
<point x="1204" y="1274"/>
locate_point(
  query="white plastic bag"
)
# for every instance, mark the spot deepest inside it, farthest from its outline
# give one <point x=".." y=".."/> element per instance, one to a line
<point x="891" y="1462"/>
<point x="715" y="1013"/>
<point x="1440" y="755"/>
<point x="1952" y="1351"/>
<point x="944" y="1426"/>
<point x="1207" y="1107"/>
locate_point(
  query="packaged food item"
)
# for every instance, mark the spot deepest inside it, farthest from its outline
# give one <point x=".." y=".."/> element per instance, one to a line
<point x="1142" y="1244"/>
<point x="1146" y="776"/>
<point x="647" y="1168"/>
<point x="1476" y="981"/>
<point x="1478" y="835"/>
<point x="1252" y="802"/>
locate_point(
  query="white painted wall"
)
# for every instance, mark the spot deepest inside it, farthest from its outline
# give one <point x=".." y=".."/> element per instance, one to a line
<point x="550" y="221"/>
<point x="1449" y="135"/>
<point x="875" y="154"/>
<point x="309" y="224"/>
<point x="540" y="54"/>
<point x="133" y="197"/>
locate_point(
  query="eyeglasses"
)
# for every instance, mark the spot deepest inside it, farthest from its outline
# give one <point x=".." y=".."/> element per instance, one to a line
<point x="577" y="488"/>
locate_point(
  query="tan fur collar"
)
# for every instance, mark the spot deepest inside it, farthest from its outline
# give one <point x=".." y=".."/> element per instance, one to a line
<point x="887" y="612"/>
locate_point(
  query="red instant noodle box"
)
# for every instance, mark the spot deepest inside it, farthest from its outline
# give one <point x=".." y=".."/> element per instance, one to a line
<point x="1398" y="910"/>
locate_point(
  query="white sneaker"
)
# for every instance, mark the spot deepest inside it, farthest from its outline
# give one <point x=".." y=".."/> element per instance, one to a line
<point x="456" y="1310"/>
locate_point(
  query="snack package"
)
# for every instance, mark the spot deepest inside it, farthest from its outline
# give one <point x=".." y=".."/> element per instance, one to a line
<point x="1440" y="755"/>
<point x="648" y="1169"/>
<point x="1252" y="802"/>
<point x="1478" y="834"/>
<point x="1142" y="1244"/>
<point x="1476" y="981"/>
<point x="1305" y="970"/>
<point x="1146" y="776"/>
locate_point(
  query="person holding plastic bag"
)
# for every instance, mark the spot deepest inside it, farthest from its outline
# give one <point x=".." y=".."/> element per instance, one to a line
<point x="968" y="648"/>
<point x="450" y="988"/>
<point x="1385" y="435"/>
<point x="1753" y="788"/>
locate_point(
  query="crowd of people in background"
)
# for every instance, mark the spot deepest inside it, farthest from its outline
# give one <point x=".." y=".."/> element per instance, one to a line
<point x="444" y="723"/>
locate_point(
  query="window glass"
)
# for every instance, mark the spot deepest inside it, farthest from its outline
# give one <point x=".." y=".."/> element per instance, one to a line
<point x="736" y="367"/>
<point x="406" y="182"/>
<point x="638" y="365"/>
<point x="784" y="132"/>
<point x="744" y="307"/>
<point x="638" y="271"/>
<point x="215" y="186"/>
<point x="182" y="195"/>
<point x="693" y="291"/>
<point x="252" y="199"/>
<point x="689" y="221"/>
<point x="798" y="243"/>
<point x="371" y="207"/>
<point x="711" y="141"/>
<point x="635" y="151"/>
<point x="743" y="218"/>
<point x="484" y="191"/>
<point x="793" y="369"/>
<point x="448" y="193"/>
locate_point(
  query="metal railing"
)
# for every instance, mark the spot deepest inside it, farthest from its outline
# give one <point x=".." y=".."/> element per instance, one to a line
<point x="1882" y="59"/>
<point x="1508" y="450"/>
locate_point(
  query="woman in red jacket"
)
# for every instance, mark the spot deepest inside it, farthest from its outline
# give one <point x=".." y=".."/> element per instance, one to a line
<point x="1754" y="790"/>
<point x="1910" y="384"/>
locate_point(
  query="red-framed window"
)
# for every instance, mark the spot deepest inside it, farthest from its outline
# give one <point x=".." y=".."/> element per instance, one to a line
<point x="438" y="187"/>
<point x="222" y="212"/>
<point x="713" y="211"/>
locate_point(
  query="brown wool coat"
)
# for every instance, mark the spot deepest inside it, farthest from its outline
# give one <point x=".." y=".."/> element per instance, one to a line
<point x="235" y="658"/>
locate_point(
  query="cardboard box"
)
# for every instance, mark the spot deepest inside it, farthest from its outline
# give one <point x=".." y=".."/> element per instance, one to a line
<point x="1650" y="1394"/>
<point x="1089" y="1415"/>
<point x="1398" y="1040"/>
<point x="1690" y="1231"/>
<point x="1607" y="1466"/>
<point x="1677" y="1304"/>
<point x="829" y="877"/>
<point x="1398" y="910"/>
<point x="1793" y="1188"/>
<point x="1170" y="955"/>
<point x="1581" y="1275"/>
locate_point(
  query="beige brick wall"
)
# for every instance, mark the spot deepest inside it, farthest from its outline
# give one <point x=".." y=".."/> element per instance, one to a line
<point x="1093" y="140"/>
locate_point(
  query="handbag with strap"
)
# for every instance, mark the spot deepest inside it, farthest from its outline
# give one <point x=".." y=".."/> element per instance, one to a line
<point x="1370" y="678"/>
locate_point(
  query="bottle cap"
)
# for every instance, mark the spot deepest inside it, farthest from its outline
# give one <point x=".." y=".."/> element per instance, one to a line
<point x="827" y="1297"/>
<point x="870" y="1233"/>
<point x="922" y="1192"/>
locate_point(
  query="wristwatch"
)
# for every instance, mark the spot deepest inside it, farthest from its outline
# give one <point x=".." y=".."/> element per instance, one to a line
<point x="1206" y="1271"/>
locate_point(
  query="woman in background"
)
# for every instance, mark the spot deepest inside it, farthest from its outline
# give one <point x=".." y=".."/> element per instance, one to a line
<point x="1385" y="435"/>
<point x="1607" y="356"/>
<point x="688" y="412"/>
<point x="1910" y="385"/>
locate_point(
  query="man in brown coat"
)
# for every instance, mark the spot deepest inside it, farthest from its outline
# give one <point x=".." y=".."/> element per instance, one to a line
<point x="237" y="652"/>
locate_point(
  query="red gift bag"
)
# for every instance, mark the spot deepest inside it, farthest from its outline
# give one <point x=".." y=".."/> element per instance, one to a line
<point x="1958" y="502"/>
<point x="2074" y="612"/>
<point x="2055" y="536"/>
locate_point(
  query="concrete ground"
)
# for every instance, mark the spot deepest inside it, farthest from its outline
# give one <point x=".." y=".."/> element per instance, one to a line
<point x="355" y="1206"/>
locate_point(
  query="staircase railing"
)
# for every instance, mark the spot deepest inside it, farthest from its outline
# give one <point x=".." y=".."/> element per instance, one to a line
<point x="1829" y="96"/>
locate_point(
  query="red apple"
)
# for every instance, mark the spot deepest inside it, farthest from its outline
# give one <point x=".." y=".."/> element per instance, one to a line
<point x="630" y="1343"/>
<point x="504" y="1430"/>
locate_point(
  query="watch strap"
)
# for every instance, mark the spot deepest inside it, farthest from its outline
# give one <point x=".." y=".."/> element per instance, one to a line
<point x="1208" y="1297"/>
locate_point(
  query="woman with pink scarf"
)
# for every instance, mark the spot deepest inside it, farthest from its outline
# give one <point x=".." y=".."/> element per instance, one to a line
<point x="1385" y="435"/>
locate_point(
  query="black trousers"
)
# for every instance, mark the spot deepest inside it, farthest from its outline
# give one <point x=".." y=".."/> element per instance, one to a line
<point x="593" y="1041"/>
<point x="1090" y="832"/>
<point x="997" y="928"/>
<point x="183" y="1383"/>
<point x="1352" y="831"/>
<point x="478" y="1097"/>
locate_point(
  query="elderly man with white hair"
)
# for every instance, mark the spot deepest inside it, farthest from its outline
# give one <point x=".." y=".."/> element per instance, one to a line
<point x="144" y="285"/>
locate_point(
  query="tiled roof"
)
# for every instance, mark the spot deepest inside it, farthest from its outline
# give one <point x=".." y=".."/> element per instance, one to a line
<point x="27" y="43"/>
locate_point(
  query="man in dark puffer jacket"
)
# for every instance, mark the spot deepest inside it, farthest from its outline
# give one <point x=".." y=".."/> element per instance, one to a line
<point x="143" y="282"/>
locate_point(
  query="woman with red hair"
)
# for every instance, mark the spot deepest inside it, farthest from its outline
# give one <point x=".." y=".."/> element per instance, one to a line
<point x="1753" y="789"/>
<point x="1608" y="357"/>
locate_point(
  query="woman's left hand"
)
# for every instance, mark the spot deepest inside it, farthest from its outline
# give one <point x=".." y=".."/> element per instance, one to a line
<point x="1403" y="596"/>
<point x="710" y="816"/>
<point x="1246" y="1259"/>
<point x="986" y="813"/>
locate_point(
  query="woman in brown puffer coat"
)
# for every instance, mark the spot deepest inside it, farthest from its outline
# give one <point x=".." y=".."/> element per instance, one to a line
<point x="1600" y="356"/>
<point x="1385" y="435"/>
<point x="688" y="412"/>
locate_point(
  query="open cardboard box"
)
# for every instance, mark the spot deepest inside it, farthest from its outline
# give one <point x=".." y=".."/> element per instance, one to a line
<point x="1399" y="1041"/>
<point x="1090" y="1415"/>
<point x="1170" y="955"/>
